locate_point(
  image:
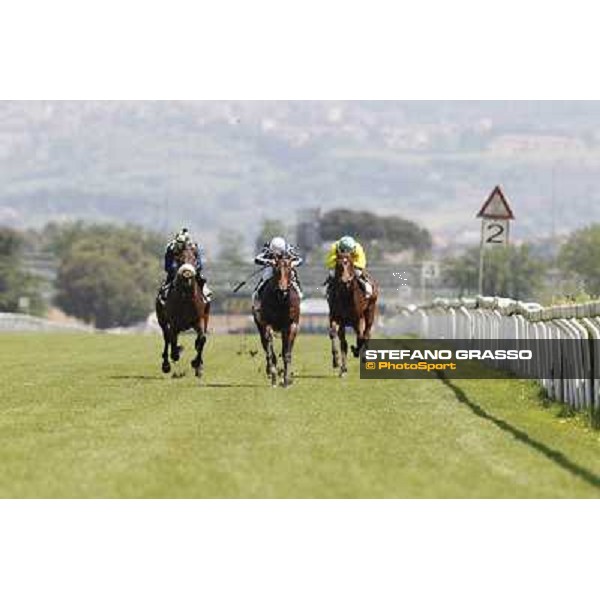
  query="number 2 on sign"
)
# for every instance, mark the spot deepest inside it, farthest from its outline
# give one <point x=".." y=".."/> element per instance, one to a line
<point x="495" y="233"/>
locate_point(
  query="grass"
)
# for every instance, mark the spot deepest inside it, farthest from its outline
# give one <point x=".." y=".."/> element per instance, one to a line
<point x="92" y="416"/>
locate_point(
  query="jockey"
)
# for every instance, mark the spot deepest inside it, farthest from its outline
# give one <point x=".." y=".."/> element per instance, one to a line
<point x="269" y="252"/>
<point x="172" y="262"/>
<point x="349" y="245"/>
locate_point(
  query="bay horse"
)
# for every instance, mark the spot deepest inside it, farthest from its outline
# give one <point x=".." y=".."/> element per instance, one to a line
<point x="349" y="307"/>
<point x="185" y="308"/>
<point x="279" y="311"/>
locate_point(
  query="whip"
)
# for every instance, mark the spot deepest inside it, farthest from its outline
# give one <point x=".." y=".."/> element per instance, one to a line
<point x="241" y="284"/>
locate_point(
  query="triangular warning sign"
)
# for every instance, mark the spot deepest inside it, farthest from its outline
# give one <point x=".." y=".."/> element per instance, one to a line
<point x="496" y="206"/>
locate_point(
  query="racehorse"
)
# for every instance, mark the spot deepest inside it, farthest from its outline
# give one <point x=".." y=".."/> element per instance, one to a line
<point x="185" y="308"/>
<point x="349" y="307"/>
<point x="279" y="311"/>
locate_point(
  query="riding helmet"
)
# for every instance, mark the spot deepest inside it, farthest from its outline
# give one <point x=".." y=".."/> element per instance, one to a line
<point x="278" y="245"/>
<point x="347" y="244"/>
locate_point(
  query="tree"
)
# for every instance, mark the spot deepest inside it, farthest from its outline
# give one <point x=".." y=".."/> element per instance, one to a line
<point x="384" y="233"/>
<point x="230" y="247"/>
<point x="15" y="282"/>
<point x="361" y="224"/>
<point x="60" y="237"/>
<point x="580" y="256"/>
<point x="401" y="234"/>
<point x="509" y="272"/>
<point x="107" y="275"/>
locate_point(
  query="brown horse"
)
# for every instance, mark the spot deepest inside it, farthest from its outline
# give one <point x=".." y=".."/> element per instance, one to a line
<point x="349" y="307"/>
<point x="185" y="308"/>
<point x="279" y="311"/>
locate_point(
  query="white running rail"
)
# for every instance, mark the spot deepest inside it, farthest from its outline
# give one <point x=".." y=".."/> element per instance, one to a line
<point x="493" y="318"/>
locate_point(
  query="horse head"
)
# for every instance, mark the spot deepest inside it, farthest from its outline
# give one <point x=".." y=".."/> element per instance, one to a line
<point x="186" y="277"/>
<point x="344" y="267"/>
<point x="282" y="270"/>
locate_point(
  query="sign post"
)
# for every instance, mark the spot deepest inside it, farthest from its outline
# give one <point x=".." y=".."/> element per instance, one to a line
<point x="24" y="303"/>
<point x="495" y="215"/>
<point x="429" y="270"/>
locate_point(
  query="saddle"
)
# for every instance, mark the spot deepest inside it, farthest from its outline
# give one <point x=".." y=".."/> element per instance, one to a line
<point x="331" y="293"/>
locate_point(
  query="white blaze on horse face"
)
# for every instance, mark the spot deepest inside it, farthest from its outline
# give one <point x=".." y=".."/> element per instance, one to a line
<point x="186" y="270"/>
<point x="284" y="272"/>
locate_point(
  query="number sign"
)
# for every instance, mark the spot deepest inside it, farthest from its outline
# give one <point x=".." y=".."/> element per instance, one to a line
<point x="494" y="232"/>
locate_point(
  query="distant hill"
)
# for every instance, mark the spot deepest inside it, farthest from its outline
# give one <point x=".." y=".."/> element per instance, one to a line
<point x="221" y="165"/>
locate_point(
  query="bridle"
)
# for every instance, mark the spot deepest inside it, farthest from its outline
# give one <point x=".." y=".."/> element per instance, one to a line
<point x="282" y="267"/>
<point x="345" y="268"/>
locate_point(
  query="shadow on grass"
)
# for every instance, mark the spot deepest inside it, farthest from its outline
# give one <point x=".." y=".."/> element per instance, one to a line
<point x="309" y="376"/>
<point x="235" y="385"/>
<point x="138" y="377"/>
<point x="554" y="455"/>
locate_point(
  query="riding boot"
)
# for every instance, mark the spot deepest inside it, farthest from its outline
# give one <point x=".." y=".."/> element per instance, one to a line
<point x="163" y="292"/>
<point x="298" y="289"/>
<point x="366" y="286"/>
<point x="327" y="284"/>
<point x="204" y="289"/>
<point x="297" y="285"/>
<point x="256" y="304"/>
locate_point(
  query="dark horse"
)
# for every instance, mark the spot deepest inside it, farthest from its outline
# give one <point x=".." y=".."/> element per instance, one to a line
<point x="185" y="308"/>
<point x="349" y="307"/>
<point x="279" y="311"/>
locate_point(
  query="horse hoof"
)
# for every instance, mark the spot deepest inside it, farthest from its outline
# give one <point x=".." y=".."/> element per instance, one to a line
<point x="166" y="368"/>
<point x="355" y="351"/>
<point x="343" y="373"/>
<point x="199" y="372"/>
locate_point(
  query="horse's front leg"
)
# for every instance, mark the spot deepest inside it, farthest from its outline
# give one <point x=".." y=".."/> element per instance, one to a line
<point x="166" y="365"/>
<point x="360" y="337"/>
<point x="176" y="352"/>
<point x="369" y="320"/>
<point x="263" y="341"/>
<point x="344" y="351"/>
<point x="287" y="343"/>
<point x="175" y="348"/>
<point x="198" y="362"/>
<point x="333" y="336"/>
<point x="271" y="358"/>
<point x="205" y="317"/>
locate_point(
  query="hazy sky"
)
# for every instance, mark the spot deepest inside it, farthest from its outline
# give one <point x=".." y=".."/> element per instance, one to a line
<point x="222" y="165"/>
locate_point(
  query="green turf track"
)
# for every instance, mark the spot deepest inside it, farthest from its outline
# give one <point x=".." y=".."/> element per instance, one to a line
<point x="92" y="416"/>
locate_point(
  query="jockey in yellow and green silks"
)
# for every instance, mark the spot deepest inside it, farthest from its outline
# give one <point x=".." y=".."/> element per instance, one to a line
<point x="348" y="245"/>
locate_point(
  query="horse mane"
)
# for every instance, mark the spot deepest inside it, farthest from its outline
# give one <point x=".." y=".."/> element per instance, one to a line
<point x="187" y="255"/>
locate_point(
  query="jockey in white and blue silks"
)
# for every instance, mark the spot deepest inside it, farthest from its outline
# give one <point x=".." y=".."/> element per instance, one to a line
<point x="172" y="261"/>
<point x="271" y="251"/>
